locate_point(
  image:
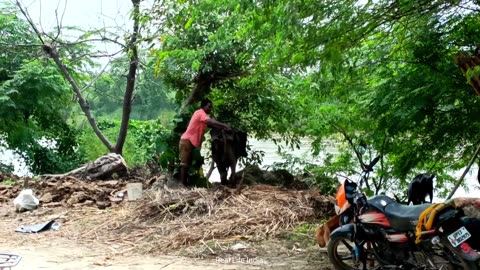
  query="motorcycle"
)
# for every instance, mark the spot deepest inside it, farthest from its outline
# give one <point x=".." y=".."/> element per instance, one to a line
<point x="381" y="233"/>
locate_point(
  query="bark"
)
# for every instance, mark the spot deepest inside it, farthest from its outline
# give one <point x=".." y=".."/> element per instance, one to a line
<point x="53" y="53"/>
<point x="127" y="99"/>
<point x="102" y="168"/>
<point x="203" y="83"/>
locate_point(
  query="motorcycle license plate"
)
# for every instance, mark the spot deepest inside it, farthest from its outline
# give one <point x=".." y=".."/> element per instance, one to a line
<point x="459" y="236"/>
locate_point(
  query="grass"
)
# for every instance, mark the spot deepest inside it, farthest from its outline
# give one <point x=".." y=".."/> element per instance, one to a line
<point x="303" y="234"/>
<point x="8" y="182"/>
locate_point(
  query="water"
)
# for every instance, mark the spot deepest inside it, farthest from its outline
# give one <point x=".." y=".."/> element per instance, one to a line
<point x="8" y="157"/>
<point x="271" y="156"/>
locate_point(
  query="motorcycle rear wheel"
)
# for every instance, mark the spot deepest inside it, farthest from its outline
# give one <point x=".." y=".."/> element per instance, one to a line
<point x="340" y="253"/>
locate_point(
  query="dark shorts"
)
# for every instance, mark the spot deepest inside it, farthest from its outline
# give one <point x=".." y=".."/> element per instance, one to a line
<point x="186" y="152"/>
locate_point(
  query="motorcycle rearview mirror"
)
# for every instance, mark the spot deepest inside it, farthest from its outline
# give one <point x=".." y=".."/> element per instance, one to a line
<point x="362" y="147"/>
<point x="350" y="188"/>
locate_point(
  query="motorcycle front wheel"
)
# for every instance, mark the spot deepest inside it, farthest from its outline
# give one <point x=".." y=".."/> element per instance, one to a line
<point x="341" y="254"/>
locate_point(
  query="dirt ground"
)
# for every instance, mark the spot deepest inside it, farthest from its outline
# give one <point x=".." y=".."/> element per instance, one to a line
<point x="79" y="244"/>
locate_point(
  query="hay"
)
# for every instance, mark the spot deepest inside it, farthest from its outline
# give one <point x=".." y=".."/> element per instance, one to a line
<point x="172" y="219"/>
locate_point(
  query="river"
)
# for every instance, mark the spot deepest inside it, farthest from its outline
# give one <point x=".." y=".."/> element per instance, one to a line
<point x="271" y="156"/>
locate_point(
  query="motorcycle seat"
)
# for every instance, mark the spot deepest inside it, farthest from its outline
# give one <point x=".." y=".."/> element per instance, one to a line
<point x="404" y="217"/>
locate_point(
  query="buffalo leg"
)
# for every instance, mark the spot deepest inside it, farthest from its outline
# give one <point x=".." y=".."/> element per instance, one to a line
<point x="223" y="171"/>
<point x="233" y="166"/>
<point x="210" y="170"/>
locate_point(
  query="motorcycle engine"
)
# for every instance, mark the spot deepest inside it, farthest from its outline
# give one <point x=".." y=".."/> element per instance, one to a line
<point x="398" y="254"/>
<point x="391" y="253"/>
<point x="442" y="263"/>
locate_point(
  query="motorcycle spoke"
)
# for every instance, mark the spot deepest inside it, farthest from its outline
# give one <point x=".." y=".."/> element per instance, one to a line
<point x="347" y="245"/>
<point x="341" y="254"/>
<point x="346" y="257"/>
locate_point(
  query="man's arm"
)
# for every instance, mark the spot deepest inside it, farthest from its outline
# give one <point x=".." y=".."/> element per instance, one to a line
<point x="214" y="123"/>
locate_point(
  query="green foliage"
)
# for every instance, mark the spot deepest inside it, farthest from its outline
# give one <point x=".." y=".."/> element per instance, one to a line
<point x="152" y="99"/>
<point x="8" y="182"/>
<point x="316" y="176"/>
<point x="37" y="109"/>
<point x="152" y="136"/>
<point x="381" y="72"/>
<point x="48" y="159"/>
<point x="343" y="71"/>
<point x="145" y="141"/>
<point x="302" y="235"/>
<point x="6" y="168"/>
<point x="211" y="51"/>
<point x="35" y="101"/>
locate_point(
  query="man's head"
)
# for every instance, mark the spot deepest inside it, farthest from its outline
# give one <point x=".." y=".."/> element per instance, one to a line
<point x="206" y="105"/>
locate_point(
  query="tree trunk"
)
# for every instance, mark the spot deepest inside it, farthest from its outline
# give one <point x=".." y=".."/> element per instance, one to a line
<point x="102" y="168"/>
<point x="203" y="82"/>
<point x="127" y="99"/>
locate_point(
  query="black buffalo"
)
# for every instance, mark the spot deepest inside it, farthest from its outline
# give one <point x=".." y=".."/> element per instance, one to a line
<point x="227" y="147"/>
<point x="420" y="187"/>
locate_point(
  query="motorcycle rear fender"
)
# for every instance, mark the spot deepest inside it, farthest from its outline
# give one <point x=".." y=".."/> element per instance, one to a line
<point x="465" y="250"/>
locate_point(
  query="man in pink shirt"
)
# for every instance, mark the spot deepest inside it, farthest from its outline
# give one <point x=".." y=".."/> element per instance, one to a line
<point x="192" y="137"/>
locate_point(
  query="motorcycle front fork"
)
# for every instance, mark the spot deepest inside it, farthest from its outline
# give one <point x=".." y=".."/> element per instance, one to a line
<point x="359" y="255"/>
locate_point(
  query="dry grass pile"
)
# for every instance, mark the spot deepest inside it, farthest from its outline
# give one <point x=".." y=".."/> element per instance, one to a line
<point x="171" y="219"/>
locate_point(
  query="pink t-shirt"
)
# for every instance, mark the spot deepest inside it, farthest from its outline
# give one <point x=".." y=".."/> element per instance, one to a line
<point x="196" y="127"/>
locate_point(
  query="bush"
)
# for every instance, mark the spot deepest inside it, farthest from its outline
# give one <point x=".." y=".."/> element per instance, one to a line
<point x="144" y="141"/>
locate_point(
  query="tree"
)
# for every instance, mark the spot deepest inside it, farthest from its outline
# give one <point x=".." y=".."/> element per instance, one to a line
<point x="57" y="49"/>
<point x="379" y="72"/>
<point x="206" y="55"/>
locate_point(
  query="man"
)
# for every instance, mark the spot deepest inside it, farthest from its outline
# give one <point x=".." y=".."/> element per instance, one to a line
<point x="192" y="138"/>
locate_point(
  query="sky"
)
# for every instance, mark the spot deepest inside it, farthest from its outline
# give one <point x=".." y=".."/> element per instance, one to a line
<point x="88" y="14"/>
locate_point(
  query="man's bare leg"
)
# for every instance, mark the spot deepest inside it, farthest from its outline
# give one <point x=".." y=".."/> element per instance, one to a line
<point x="184" y="174"/>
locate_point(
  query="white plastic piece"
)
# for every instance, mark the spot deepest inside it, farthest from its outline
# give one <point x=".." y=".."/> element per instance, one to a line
<point x="26" y="200"/>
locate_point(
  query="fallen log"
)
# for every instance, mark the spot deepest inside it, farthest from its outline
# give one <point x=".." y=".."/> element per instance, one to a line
<point x="102" y="168"/>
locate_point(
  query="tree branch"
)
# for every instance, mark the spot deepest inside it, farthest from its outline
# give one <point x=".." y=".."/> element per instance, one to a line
<point x="96" y="77"/>
<point x="94" y="55"/>
<point x="53" y="53"/>
<point x="59" y="23"/>
<point x="20" y="45"/>
<point x="350" y="142"/>
<point x="102" y="39"/>
<point x="29" y="20"/>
